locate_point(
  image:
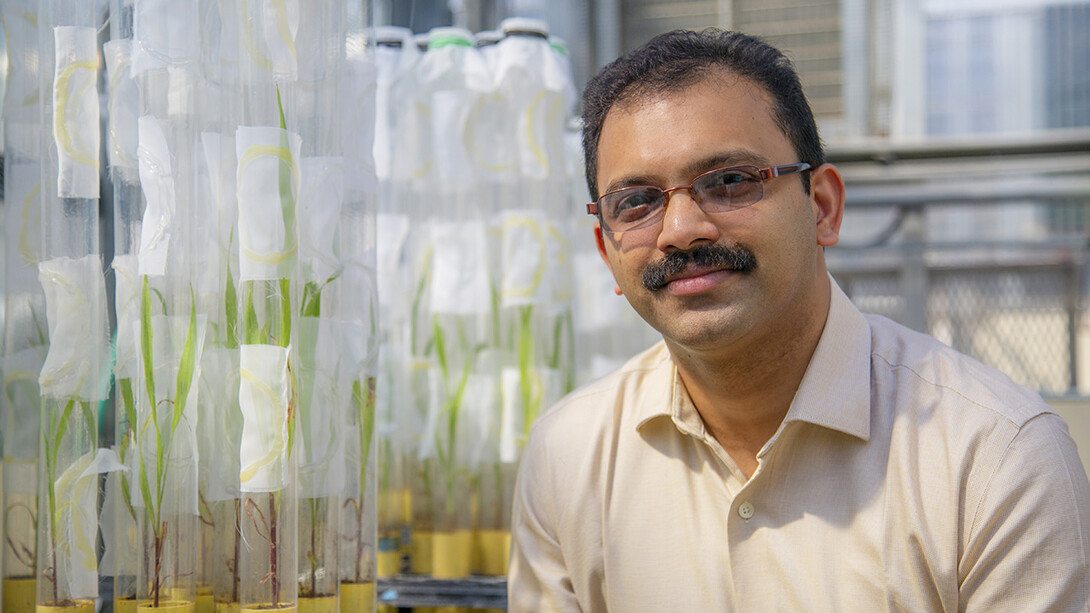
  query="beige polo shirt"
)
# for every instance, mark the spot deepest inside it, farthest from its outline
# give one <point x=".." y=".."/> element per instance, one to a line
<point x="905" y="477"/>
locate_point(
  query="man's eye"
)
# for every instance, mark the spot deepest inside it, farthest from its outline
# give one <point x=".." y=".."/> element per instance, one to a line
<point x="635" y="201"/>
<point x="727" y="179"/>
<point x="633" y="206"/>
<point x="729" y="185"/>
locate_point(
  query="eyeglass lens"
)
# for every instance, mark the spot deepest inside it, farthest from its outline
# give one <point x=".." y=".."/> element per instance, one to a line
<point x="716" y="191"/>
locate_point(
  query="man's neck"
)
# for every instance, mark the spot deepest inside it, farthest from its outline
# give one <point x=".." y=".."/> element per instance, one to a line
<point x="744" y="394"/>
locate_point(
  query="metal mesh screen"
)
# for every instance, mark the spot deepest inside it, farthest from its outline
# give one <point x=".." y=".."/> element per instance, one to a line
<point x="1016" y="320"/>
<point x="875" y="293"/>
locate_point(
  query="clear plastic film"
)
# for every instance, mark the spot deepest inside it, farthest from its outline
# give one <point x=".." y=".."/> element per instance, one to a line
<point x="395" y="56"/>
<point x="357" y="113"/>
<point x="72" y="556"/>
<point x="166" y="466"/>
<point x="175" y="316"/>
<point x="164" y="34"/>
<point x="321" y="197"/>
<point x="320" y="428"/>
<point x="25" y="330"/>
<point x="267" y="476"/>
<point x="20" y="23"/>
<point x="21" y="395"/>
<point x="459" y="273"/>
<point x="157" y="182"/>
<point x="166" y="422"/>
<point x="264" y="397"/>
<point x="75" y="294"/>
<point x="121" y="504"/>
<point x="22" y="242"/>
<point x="76" y="111"/>
<point x="269" y="149"/>
<point x="123" y="109"/>
<point x="21" y="428"/>
<point x="268" y="180"/>
<point x="355" y="308"/>
<point x="536" y="272"/>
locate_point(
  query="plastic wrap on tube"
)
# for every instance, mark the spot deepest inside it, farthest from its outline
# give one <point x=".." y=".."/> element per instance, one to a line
<point x="23" y="226"/>
<point x="320" y="425"/>
<point x="165" y="33"/>
<point x="76" y="112"/>
<point x="219" y="423"/>
<point x="525" y="258"/>
<point x="22" y="404"/>
<point x="157" y="181"/>
<point x="358" y="124"/>
<point x="459" y="283"/>
<point x="76" y="490"/>
<point x="20" y="24"/>
<point x="77" y="363"/>
<point x="264" y="394"/>
<point x="319" y="208"/>
<point x="268" y="241"/>
<point x="393" y="240"/>
<point x="123" y="106"/>
<point x="127" y="291"/>
<point x="118" y="526"/>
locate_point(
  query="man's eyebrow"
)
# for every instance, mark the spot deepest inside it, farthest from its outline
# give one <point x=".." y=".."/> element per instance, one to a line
<point x="631" y="181"/>
<point x="734" y="157"/>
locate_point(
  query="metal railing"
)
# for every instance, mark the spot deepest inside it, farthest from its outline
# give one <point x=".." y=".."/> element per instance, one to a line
<point x="981" y="243"/>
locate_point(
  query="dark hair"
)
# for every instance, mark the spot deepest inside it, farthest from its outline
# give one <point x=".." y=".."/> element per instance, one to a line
<point x="681" y="58"/>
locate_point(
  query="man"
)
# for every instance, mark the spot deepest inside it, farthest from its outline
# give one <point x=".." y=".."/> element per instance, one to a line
<point x="779" y="450"/>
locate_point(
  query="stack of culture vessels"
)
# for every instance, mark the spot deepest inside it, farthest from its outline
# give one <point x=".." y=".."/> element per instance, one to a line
<point x="74" y="378"/>
<point x="25" y="332"/>
<point x="395" y="56"/>
<point x="239" y="146"/>
<point x="478" y="334"/>
<point x="248" y="381"/>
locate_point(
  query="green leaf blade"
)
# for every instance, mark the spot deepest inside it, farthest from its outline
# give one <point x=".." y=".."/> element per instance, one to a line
<point x="186" y="366"/>
<point x="145" y="342"/>
<point x="230" y="307"/>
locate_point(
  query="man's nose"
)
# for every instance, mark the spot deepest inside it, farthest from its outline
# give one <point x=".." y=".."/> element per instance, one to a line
<point x="684" y="223"/>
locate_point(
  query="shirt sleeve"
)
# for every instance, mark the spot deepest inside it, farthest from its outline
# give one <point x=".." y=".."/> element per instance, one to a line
<point x="1028" y="549"/>
<point x="537" y="579"/>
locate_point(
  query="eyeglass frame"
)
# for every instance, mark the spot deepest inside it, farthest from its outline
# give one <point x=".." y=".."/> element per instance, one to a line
<point x="764" y="174"/>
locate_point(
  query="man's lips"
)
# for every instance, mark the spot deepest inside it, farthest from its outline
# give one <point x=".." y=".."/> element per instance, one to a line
<point x="694" y="281"/>
<point x="692" y="271"/>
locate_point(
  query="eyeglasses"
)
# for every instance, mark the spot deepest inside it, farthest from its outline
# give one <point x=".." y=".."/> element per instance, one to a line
<point x="716" y="191"/>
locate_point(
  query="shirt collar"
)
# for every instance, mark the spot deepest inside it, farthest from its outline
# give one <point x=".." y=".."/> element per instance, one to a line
<point x="662" y="393"/>
<point x="834" y="392"/>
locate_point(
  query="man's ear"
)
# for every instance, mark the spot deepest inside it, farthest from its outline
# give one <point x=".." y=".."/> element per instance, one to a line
<point x="600" y="240"/>
<point x="827" y="200"/>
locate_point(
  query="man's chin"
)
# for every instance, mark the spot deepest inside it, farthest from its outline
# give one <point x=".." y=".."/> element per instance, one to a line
<point x="702" y="327"/>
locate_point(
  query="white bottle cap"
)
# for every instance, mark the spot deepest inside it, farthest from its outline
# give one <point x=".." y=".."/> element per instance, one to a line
<point x="524" y="25"/>
<point x="485" y="38"/>
<point x="442" y="36"/>
<point x="393" y="34"/>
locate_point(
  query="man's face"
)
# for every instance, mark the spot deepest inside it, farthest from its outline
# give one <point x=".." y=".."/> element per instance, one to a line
<point x="707" y="281"/>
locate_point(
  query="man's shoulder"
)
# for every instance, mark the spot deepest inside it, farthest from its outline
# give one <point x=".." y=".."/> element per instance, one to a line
<point x="936" y="375"/>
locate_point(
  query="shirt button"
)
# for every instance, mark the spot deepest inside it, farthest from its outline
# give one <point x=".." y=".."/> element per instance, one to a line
<point x="745" y="510"/>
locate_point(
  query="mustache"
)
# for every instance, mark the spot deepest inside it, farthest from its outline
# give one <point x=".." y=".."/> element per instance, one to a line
<point x="733" y="257"/>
